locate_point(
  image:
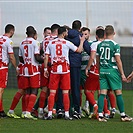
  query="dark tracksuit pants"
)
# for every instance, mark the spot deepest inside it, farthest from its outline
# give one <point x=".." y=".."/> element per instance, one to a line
<point x="75" y="73"/>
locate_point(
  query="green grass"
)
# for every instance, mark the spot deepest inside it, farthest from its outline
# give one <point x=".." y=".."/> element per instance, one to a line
<point x="84" y="125"/>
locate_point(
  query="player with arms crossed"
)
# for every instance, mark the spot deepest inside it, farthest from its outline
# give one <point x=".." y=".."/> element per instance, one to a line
<point x="60" y="73"/>
<point x="111" y="72"/>
<point x="6" y="54"/>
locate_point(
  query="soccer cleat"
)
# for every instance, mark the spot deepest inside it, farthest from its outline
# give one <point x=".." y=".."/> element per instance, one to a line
<point x="82" y="115"/>
<point x="49" y="117"/>
<point x="90" y="115"/>
<point x="68" y="118"/>
<point x="112" y="114"/>
<point x="60" y="114"/>
<point x="126" y="118"/>
<point x="34" y="113"/>
<point x="102" y="119"/>
<point x="22" y="115"/>
<point x="76" y="115"/>
<point x="12" y="115"/>
<point x="29" y="116"/>
<point x="3" y="114"/>
<point x="86" y="110"/>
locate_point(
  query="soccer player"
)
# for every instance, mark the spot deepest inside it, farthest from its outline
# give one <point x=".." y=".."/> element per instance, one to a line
<point x="47" y="32"/>
<point x="111" y="72"/>
<point x="85" y="57"/>
<point x="91" y="70"/>
<point x="60" y="72"/>
<point x="20" y="93"/>
<point x="6" y="54"/>
<point x="44" y="80"/>
<point x="29" y="56"/>
<point x="75" y="65"/>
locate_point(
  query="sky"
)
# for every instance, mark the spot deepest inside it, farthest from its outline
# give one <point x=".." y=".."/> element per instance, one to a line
<point x="42" y="13"/>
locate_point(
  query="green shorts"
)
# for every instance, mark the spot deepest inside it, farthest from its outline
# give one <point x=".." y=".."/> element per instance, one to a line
<point x="110" y="79"/>
<point x="83" y="78"/>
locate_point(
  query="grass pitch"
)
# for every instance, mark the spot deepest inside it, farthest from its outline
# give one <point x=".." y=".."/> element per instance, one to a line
<point x="85" y="125"/>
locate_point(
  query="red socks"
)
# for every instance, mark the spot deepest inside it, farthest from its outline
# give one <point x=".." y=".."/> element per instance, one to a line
<point x="15" y="100"/>
<point x="1" y="105"/>
<point x="66" y="101"/>
<point x="42" y="99"/>
<point x="51" y="101"/>
<point x="90" y="97"/>
<point x="112" y="100"/>
<point x="23" y="103"/>
<point x="32" y="100"/>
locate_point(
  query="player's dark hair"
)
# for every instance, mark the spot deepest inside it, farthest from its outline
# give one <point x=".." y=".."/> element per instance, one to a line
<point x="9" y="27"/>
<point x="47" y="28"/>
<point x="84" y="29"/>
<point x="109" y="30"/>
<point x="61" y="30"/>
<point x="30" y="31"/>
<point x="100" y="33"/>
<point x="76" y="25"/>
<point x="55" y="27"/>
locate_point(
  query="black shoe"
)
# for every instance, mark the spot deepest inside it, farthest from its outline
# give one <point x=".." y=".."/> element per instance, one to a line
<point x="3" y="114"/>
<point x="49" y="117"/>
<point x="76" y="115"/>
<point x="60" y="114"/>
<point x="68" y="118"/>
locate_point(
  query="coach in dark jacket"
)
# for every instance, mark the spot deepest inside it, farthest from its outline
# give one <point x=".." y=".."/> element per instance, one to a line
<point x="75" y="65"/>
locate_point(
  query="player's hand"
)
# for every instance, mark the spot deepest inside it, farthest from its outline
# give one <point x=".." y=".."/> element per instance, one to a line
<point x="87" y="72"/>
<point x="124" y="78"/>
<point x="129" y="78"/>
<point x="17" y="71"/>
<point x="82" y="39"/>
<point x="46" y="74"/>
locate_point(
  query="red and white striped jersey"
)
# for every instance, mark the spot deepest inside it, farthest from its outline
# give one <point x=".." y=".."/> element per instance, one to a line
<point x="59" y="50"/>
<point x="94" y="68"/>
<point x="5" y="49"/>
<point x="28" y="48"/>
<point x="47" y="40"/>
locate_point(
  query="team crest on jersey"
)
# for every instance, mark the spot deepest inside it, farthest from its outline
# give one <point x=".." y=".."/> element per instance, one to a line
<point x="11" y="43"/>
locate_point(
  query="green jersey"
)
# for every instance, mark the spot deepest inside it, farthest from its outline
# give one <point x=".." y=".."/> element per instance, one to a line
<point x="107" y="50"/>
<point x="85" y="58"/>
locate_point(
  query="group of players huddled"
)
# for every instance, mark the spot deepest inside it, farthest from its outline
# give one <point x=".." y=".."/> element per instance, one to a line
<point x="62" y="65"/>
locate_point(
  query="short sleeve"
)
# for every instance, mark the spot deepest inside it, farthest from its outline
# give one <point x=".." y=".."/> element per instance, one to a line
<point x="10" y="47"/>
<point x="72" y="46"/>
<point x="47" y="49"/>
<point x="94" y="47"/>
<point x="37" y="47"/>
<point x="117" y="49"/>
<point x="97" y="50"/>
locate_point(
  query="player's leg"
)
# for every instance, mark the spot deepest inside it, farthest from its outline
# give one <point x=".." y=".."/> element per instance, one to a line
<point x="43" y="96"/>
<point x="65" y="85"/>
<point x="3" y="83"/>
<point x="53" y="85"/>
<point x="14" y="103"/>
<point x="120" y="104"/>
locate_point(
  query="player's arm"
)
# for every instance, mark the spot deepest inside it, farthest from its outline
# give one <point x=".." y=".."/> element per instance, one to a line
<point x="39" y="58"/>
<point x="87" y="47"/>
<point x="80" y="48"/>
<point x="91" y="59"/>
<point x="46" y="74"/>
<point x="98" y="61"/>
<point x="13" y="61"/>
<point x="129" y="78"/>
<point x="120" y="67"/>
